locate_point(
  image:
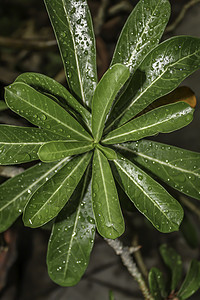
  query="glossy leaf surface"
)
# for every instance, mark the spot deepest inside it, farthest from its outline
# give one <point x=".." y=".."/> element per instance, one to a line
<point x="177" y="167"/>
<point x="156" y="284"/>
<point x="21" y="144"/>
<point x="73" y="28"/>
<point x="149" y="197"/>
<point x="45" y="84"/>
<point x="56" y="150"/>
<point x="48" y="200"/>
<point x="107" y="212"/>
<point x="163" y="69"/>
<point x="108" y="152"/>
<point x="3" y="105"/>
<point x="43" y="111"/>
<point x="162" y="119"/>
<point x="104" y="95"/>
<point x="16" y="192"/>
<point x="72" y="238"/>
<point x="141" y="32"/>
<point x="192" y="281"/>
<point x="173" y="260"/>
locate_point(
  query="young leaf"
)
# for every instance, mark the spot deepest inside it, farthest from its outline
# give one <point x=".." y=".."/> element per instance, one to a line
<point x="21" y="144"/>
<point x="58" y="149"/>
<point x="107" y="212"/>
<point x="142" y="32"/>
<point x="105" y="93"/>
<point x="163" y="69"/>
<point x="157" y="284"/>
<point x="173" y="260"/>
<point x="149" y="197"/>
<point x="162" y="119"/>
<point x="43" y="111"/>
<point x="72" y="238"/>
<point x="3" y="105"/>
<point x="48" y="200"/>
<point x="45" y="84"/>
<point x="177" y="167"/>
<point x="108" y="152"/>
<point x="73" y="28"/>
<point x="192" y="281"/>
<point x="15" y="192"/>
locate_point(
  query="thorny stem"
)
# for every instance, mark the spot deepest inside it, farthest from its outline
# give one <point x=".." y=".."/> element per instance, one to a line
<point x="125" y="254"/>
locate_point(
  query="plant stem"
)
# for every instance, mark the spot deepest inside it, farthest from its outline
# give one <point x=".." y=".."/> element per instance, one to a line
<point x="127" y="260"/>
<point x="185" y="201"/>
<point x="10" y="171"/>
<point x="138" y="258"/>
<point x="181" y="15"/>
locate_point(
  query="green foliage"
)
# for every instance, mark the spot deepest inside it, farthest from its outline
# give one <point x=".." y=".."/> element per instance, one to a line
<point x="78" y="130"/>
<point x="157" y="282"/>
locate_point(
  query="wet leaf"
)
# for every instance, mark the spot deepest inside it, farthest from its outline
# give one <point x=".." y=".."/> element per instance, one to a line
<point x="21" y="144"/>
<point x="72" y="238"/>
<point x="104" y="95"/>
<point x="142" y="32"/>
<point x="177" y="167"/>
<point x="73" y="28"/>
<point x="162" y="119"/>
<point x="157" y="284"/>
<point x="163" y="69"/>
<point x="149" y="197"/>
<point x="47" y="201"/>
<point x="192" y="281"/>
<point x="16" y="192"/>
<point x="43" y="111"/>
<point x="173" y="260"/>
<point x="56" y="150"/>
<point x="47" y="85"/>
<point x="107" y="212"/>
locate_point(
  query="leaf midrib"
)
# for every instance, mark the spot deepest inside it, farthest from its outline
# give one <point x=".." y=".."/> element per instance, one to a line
<point x="142" y="128"/>
<point x="154" y="203"/>
<point x="35" y="182"/>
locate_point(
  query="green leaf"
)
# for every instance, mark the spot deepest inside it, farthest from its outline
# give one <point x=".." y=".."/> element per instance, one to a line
<point x="21" y="144"/>
<point x="163" y="69"/>
<point x="108" y="152"/>
<point x="107" y="212"/>
<point x="16" y="192"/>
<point x="43" y="111"/>
<point x="142" y="32"/>
<point x="3" y="105"/>
<point x="192" y="281"/>
<point x="163" y="119"/>
<point x="73" y="28"/>
<point x="149" y="197"/>
<point x="173" y="260"/>
<point x="45" y="84"/>
<point x="157" y="284"/>
<point x="48" y="200"/>
<point x="111" y="295"/>
<point x="72" y="238"/>
<point x="177" y="167"/>
<point x="104" y="95"/>
<point x="59" y="149"/>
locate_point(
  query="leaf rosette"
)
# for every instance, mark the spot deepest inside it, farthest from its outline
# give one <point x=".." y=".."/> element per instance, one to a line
<point x="90" y="137"/>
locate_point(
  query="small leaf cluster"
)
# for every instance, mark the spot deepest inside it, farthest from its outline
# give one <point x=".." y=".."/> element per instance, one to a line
<point x="90" y="139"/>
<point x="161" y="289"/>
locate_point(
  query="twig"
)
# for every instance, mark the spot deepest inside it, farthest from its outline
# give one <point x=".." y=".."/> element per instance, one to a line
<point x="119" y="8"/>
<point x="130" y="265"/>
<point x="181" y="15"/>
<point x="138" y="258"/>
<point x="27" y="44"/>
<point x="185" y="201"/>
<point x="10" y="171"/>
<point x="100" y="18"/>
